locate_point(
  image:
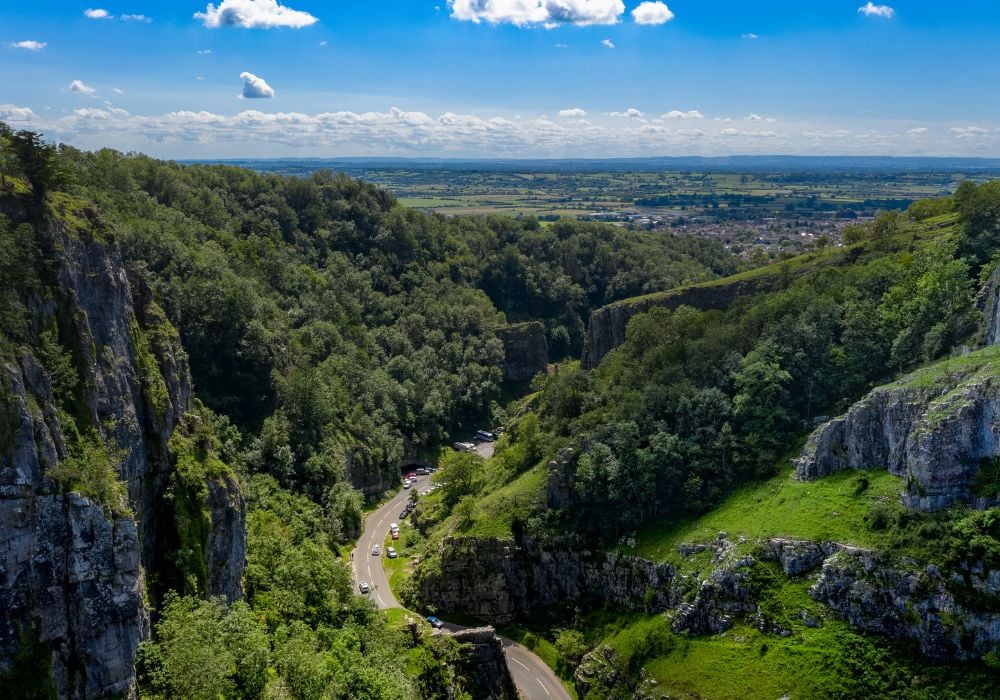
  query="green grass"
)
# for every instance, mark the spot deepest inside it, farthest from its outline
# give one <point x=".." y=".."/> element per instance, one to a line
<point x="496" y="512"/>
<point x="826" y="509"/>
<point x="986" y="360"/>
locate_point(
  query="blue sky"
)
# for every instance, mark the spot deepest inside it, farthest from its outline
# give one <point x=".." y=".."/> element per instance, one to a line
<point x="581" y="78"/>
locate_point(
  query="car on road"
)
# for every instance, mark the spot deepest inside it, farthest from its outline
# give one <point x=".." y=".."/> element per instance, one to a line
<point x="464" y="447"/>
<point x="363" y="587"/>
<point x="485" y="436"/>
<point x="376" y="550"/>
<point x="411" y="476"/>
<point x="422" y="471"/>
<point x="435" y="622"/>
<point x="407" y="484"/>
<point x="402" y="515"/>
<point x="390" y="552"/>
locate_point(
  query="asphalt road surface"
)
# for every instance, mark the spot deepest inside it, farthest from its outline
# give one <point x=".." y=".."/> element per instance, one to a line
<point x="533" y="678"/>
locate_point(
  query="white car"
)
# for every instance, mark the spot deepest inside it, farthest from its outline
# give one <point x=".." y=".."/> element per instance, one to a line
<point x="393" y="526"/>
<point x="363" y="587"/>
<point x="376" y="550"/>
<point x="406" y="484"/>
<point x="390" y="552"/>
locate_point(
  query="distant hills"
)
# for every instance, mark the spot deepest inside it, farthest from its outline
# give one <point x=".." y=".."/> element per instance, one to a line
<point x="666" y="164"/>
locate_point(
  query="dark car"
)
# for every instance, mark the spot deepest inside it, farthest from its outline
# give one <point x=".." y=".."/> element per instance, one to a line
<point x="485" y="436"/>
<point x="435" y="622"/>
<point x="402" y="516"/>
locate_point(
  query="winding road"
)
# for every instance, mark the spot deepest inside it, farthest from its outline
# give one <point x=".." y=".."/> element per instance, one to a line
<point x="533" y="678"/>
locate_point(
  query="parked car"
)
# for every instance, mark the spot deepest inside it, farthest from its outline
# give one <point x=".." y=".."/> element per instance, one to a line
<point x="403" y="514"/>
<point x="407" y="484"/>
<point x="464" y="447"/>
<point x="423" y="471"/>
<point x="363" y="587"/>
<point x="485" y="436"/>
<point x="395" y="534"/>
<point x="390" y="552"/>
<point x="393" y="526"/>
<point x="435" y="622"/>
<point x="376" y="550"/>
<point x="411" y="476"/>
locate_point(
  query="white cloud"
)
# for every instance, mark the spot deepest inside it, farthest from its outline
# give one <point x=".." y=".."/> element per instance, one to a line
<point x="97" y="13"/>
<point x="81" y="87"/>
<point x="254" y="14"/>
<point x="562" y="46"/>
<point x="652" y="13"/>
<point x="919" y="130"/>
<point x="969" y="132"/>
<point x="136" y="18"/>
<point x="677" y="114"/>
<point x="29" y="45"/>
<point x="631" y="113"/>
<point x="255" y="88"/>
<point x="13" y="113"/>
<point x="872" y="10"/>
<point x="538" y="13"/>
<point x="758" y="118"/>
<point x="607" y="42"/>
<point x="322" y="43"/>
<point x="204" y="52"/>
<point x="575" y="113"/>
<point x="118" y="91"/>
<point x="741" y="132"/>
<point x="751" y="36"/>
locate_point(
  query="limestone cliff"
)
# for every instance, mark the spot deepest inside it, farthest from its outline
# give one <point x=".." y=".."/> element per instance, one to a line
<point x="989" y="304"/>
<point x="526" y="352"/>
<point x="484" y="664"/>
<point x="606" y="328"/>
<point x="938" y="427"/>
<point x="73" y="563"/>
<point x="499" y="580"/>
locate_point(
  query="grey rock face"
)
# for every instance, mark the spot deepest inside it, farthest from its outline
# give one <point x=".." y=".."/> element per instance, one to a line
<point x="227" y="545"/>
<point x="560" y="481"/>
<point x="71" y="571"/>
<point x="485" y="665"/>
<point x="371" y="479"/>
<point x="526" y="351"/>
<point x="989" y="303"/>
<point x="870" y="592"/>
<point x="935" y="428"/>
<point x="799" y="557"/>
<point x="498" y="580"/>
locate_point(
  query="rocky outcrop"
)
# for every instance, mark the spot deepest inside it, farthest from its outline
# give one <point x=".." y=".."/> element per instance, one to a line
<point x="526" y="351"/>
<point x="989" y="304"/>
<point x="484" y="664"/>
<point x="606" y="328"/>
<point x="937" y="428"/>
<point x="498" y="580"/>
<point x="72" y="566"/>
<point x="560" y="483"/>
<point x="370" y="478"/>
<point x="873" y="593"/>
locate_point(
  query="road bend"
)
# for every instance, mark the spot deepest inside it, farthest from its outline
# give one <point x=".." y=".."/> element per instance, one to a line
<point x="533" y="678"/>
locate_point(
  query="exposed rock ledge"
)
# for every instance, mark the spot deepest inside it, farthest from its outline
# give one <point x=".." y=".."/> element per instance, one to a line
<point x="936" y="428"/>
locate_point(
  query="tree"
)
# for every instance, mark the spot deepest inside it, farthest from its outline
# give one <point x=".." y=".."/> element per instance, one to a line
<point x="39" y="162"/>
<point x="458" y="474"/>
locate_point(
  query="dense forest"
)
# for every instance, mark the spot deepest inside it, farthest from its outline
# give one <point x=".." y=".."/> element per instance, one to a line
<point x="326" y="327"/>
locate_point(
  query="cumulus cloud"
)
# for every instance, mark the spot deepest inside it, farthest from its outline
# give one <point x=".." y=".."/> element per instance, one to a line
<point x="630" y="113"/>
<point x="118" y="91"/>
<point x="255" y="88"/>
<point x="81" y="87"/>
<point x="917" y="131"/>
<point x="136" y="18"/>
<point x="13" y="113"/>
<point x="575" y="113"/>
<point x="652" y="13"/>
<point x="538" y="13"/>
<point x="254" y="14"/>
<point x="97" y="13"/>
<point x="742" y="132"/>
<point x="870" y="9"/>
<point x="204" y="52"/>
<point x="758" y="118"/>
<point x="677" y="114"/>
<point x="29" y="45"/>
<point x="607" y="42"/>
